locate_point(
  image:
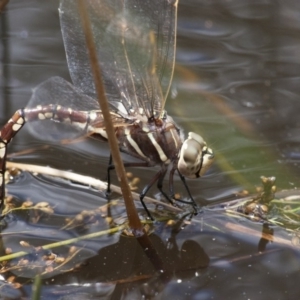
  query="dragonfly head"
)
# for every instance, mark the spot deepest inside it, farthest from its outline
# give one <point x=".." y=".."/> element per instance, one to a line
<point x="195" y="157"/>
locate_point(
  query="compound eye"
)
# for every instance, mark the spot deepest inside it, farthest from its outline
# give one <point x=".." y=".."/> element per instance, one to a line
<point x="191" y="152"/>
<point x="194" y="158"/>
<point x="197" y="138"/>
<point x="207" y="160"/>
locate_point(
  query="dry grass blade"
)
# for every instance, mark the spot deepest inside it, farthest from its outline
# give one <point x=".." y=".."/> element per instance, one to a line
<point x="67" y="242"/>
<point x="86" y="180"/>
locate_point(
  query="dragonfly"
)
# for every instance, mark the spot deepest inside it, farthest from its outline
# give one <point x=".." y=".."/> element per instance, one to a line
<point x="136" y="43"/>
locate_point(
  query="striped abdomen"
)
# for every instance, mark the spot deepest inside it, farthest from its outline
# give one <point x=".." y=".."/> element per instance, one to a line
<point x="155" y="141"/>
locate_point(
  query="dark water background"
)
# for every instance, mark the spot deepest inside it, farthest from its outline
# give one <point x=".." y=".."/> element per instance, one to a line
<point x="237" y="84"/>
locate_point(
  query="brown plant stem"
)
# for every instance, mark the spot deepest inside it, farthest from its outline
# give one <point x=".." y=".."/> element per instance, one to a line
<point x="134" y="221"/>
<point x="3" y="4"/>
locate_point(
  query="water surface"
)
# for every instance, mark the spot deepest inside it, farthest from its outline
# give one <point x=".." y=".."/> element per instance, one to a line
<point x="236" y="83"/>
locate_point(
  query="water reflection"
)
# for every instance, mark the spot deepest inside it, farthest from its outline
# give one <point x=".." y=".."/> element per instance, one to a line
<point x="216" y="248"/>
<point x="237" y="80"/>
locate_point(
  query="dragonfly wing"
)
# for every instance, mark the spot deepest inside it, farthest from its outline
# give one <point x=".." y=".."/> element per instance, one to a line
<point x="75" y="45"/>
<point x="135" y="42"/>
<point x="57" y="90"/>
<point x="161" y="16"/>
<point x="51" y="96"/>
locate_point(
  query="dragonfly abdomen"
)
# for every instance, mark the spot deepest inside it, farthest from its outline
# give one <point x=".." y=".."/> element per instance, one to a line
<point x="157" y="142"/>
<point x="82" y="120"/>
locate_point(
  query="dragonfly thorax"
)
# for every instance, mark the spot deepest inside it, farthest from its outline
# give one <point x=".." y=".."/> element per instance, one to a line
<point x="157" y="141"/>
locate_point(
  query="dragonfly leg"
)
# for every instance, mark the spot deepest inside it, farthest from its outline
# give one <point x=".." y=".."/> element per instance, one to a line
<point x="159" y="178"/>
<point x="8" y="131"/>
<point x="160" y="185"/>
<point x="3" y="151"/>
<point x="109" y="168"/>
<point x="171" y="188"/>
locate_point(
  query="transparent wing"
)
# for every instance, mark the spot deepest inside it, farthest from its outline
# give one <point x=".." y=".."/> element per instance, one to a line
<point x="135" y="43"/>
<point x="71" y="108"/>
<point x="57" y="90"/>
